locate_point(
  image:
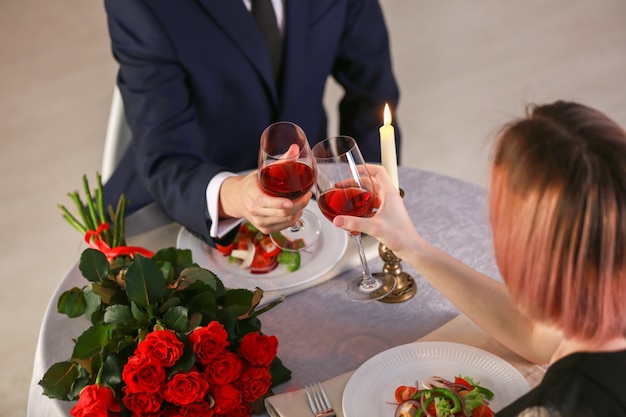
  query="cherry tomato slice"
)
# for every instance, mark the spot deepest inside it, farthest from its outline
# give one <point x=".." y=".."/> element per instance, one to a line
<point x="262" y="263"/>
<point x="462" y="381"/>
<point x="482" y="411"/>
<point x="225" y="250"/>
<point x="404" y="392"/>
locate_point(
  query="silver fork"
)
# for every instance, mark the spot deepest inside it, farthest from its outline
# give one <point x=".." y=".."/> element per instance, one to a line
<point x="319" y="402"/>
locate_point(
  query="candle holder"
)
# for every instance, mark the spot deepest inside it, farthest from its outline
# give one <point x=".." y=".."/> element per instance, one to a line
<point x="405" y="284"/>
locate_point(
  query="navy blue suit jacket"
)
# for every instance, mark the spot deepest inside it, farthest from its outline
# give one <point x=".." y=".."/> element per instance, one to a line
<point x="198" y="90"/>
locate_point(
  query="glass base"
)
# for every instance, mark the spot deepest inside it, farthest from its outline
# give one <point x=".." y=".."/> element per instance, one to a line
<point x="302" y="235"/>
<point x="383" y="285"/>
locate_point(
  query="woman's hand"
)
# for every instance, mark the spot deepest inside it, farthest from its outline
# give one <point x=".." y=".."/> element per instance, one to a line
<point x="242" y="197"/>
<point x="391" y="224"/>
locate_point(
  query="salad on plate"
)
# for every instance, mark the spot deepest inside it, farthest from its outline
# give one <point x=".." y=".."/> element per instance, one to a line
<point x="439" y="397"/>
<point x="256" y="252"/>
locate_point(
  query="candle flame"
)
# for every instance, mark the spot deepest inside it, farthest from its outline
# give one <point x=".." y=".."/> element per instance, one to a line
<point x="387" y="115"/>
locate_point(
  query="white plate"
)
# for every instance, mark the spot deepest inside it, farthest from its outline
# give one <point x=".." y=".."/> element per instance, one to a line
<point x="314" y="262"/>
<point x="371" y="387"/>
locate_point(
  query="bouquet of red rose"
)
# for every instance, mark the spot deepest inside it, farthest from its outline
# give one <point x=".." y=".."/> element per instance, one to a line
<point x="232" y="381"/>
<point x="166" y="337"/>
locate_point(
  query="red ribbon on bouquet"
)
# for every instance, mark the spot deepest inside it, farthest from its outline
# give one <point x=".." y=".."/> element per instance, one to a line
<point x="95" y="241"/>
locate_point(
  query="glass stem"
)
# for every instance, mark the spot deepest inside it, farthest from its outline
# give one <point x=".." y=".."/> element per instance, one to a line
<point x="368" y="281"/>
<point x="296" y="227"/>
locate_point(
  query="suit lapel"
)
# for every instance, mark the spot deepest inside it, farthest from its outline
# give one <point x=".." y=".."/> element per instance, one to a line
<point x="233" y="18"/>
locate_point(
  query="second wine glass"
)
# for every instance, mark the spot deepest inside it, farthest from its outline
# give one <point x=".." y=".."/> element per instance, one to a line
<point x="344" y="187"/>
<point x="287" y="169"/>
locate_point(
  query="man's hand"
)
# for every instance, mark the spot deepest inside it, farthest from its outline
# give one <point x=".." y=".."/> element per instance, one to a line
<point x="242" y="197"/>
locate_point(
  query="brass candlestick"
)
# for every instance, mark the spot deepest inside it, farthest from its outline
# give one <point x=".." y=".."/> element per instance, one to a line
<point x="405" y="284"/>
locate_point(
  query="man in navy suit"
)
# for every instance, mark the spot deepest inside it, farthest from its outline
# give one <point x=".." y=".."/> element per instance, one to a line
<point x="198" y="90"/>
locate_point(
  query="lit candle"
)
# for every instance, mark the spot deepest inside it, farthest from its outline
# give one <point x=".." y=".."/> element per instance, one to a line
<point x="388" y="147"/>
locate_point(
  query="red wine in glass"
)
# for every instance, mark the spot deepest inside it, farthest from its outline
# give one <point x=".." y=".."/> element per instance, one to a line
<point x="349" y="201"/>
<point x="289" y="179"/>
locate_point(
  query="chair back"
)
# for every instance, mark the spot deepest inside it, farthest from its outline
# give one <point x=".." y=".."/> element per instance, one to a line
<point x="118" y="136"/>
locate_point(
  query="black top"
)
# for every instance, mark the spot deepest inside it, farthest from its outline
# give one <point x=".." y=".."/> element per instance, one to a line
<point x="580" y="384"/>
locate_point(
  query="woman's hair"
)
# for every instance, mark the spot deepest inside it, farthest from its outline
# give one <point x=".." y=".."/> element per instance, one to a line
<point x="558" y="213"/>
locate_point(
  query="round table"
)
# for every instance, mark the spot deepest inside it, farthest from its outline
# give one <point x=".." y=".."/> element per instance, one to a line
<point x="321" y="333"/>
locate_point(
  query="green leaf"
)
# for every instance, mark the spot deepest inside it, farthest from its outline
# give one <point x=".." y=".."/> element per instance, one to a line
<point x="168" y="271"/>
<point x="138" y="313"/>
<point x="257" y="295"/>
<point x="107" y="294"/>
<point x="144" y="282"/>
<point x="279" y="372"/>
<point x="94" y="265"/>
<point x="237" y="310"/>
<point x="179" y="258"/>
<point x="91" y="342"/>
<point x="119" y="315"/>
<point x="176" y="319"/>
<point x="194" y="321"/>
<point x="168" y="255"/>
<point x="169" y="303"/>
<point x="185" y="258"/>
<point x="57" y="381"/>
<point x="81" y="382"/>
<point x="112" y="369"/>
<point x="92" y="301"/>
<point x="238" y="301"/>
<point x="153" y="311"/>
<point x="248" y="325"/>
<point x="267" y="307"/>
<point x="97" y="317"/>
<point x="229" y="321"/>
<point x="72" y="303"/>
<point x="119" y="263"/>
<point x="203" y="302"/>
<point x="195" y="273"/>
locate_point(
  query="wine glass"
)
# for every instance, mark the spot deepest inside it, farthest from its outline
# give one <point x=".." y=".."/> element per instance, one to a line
<point x="287" y="169"/>
<point x="344" y="187"/>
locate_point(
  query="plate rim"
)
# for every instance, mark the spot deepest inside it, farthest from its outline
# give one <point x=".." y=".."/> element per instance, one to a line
<point x="365" y="367"/>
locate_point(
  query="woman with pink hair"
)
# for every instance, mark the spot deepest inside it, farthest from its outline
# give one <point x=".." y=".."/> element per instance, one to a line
<point x="557" y="206"/>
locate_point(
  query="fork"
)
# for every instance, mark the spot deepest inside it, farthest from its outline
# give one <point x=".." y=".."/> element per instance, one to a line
<point x="319" y="402"/>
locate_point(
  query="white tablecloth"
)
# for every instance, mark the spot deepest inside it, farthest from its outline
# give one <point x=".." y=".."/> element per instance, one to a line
<point x="321" y="333"/>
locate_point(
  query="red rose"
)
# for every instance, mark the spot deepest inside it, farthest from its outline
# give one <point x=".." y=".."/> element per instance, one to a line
<point x="95" y="401"/>
<point x="227" y="398"/>
<point x="143" y="374"/>
<point x="202" y="408"/>
<point x="254" y="382"/>
<point x="244" y="410"/>
<point x="163" y="345"/>
<point x="159" y="413"/>
<point x="224" y="369"/>
<point x="209" y="341"/>
<point x="186" y="388"/>
<point x="173" y="411"/>
<point x="258" y="349"/>
<point x="142" y="402"/>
